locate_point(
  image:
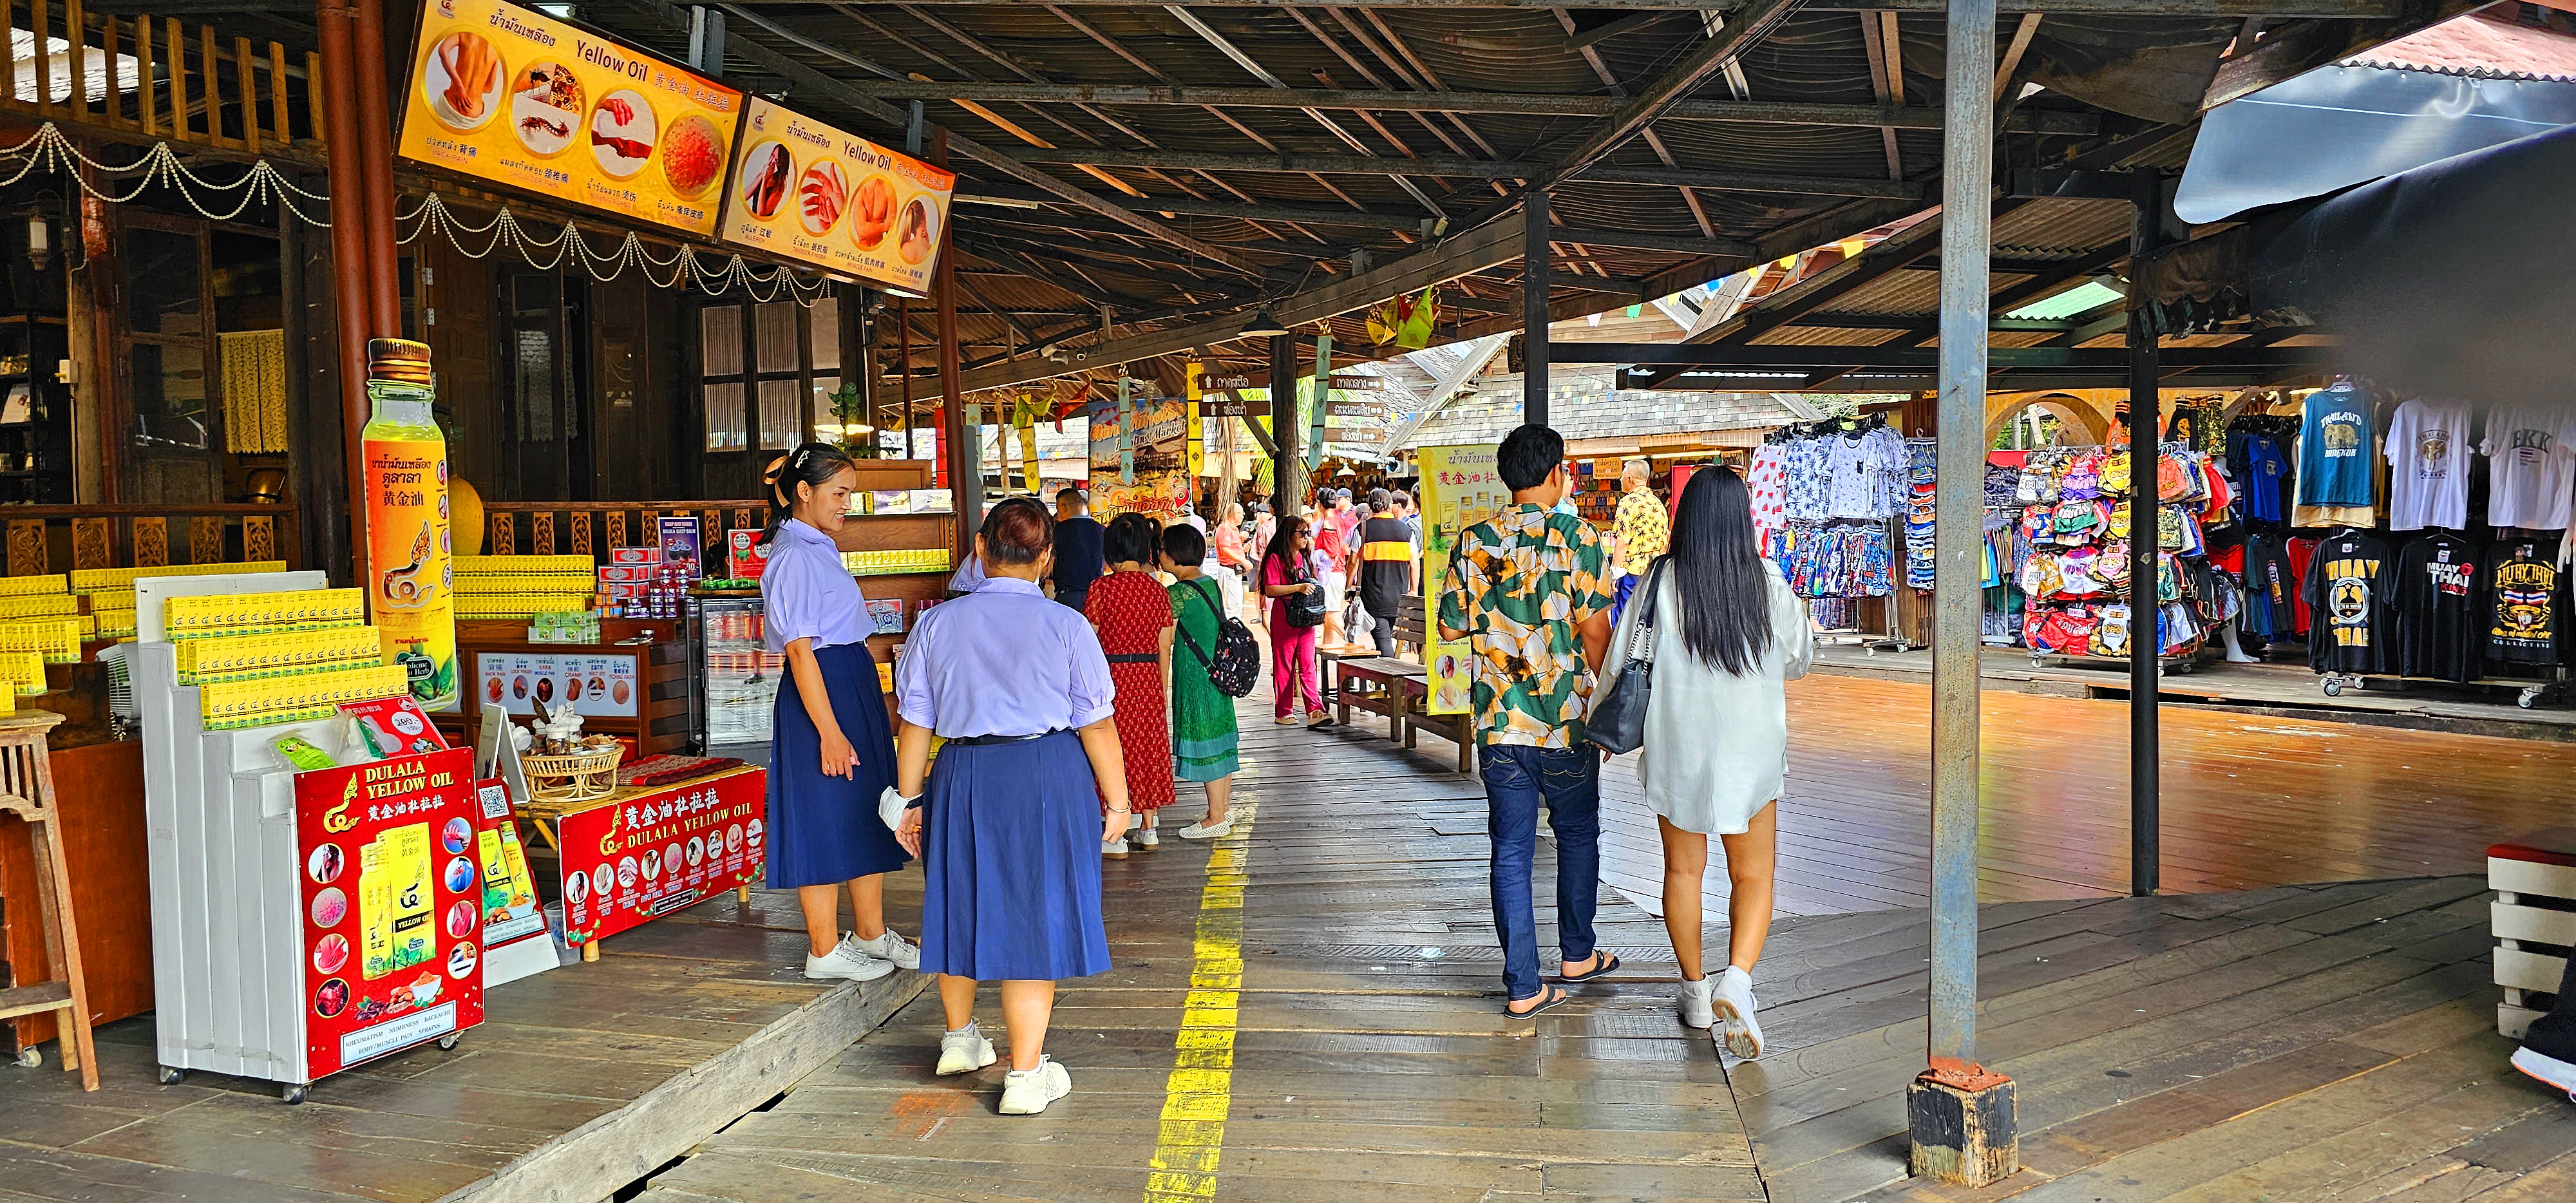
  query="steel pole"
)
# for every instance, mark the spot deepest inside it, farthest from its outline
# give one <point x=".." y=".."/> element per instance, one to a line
<point x="2145" y="691"/>
<point x="1968" y="141"/>
<point x="1536" y="260"/>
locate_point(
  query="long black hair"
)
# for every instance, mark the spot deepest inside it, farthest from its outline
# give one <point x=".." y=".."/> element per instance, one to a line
<point x="1717" y="569"/>
<point x="812" y="464"/>
<point x="1283" y="544"/>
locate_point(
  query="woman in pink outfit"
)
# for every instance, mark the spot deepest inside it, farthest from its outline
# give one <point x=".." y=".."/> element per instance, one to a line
<point x="1288" y="568"/>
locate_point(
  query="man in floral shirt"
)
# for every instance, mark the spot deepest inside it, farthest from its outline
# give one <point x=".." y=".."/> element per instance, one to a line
<point x="1528" y="592"/>
<point x="1642" y="529"/>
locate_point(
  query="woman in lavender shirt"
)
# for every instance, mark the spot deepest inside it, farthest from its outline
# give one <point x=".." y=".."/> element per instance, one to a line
<point x="1011" y="831"/>
<point x="831" y="752"/>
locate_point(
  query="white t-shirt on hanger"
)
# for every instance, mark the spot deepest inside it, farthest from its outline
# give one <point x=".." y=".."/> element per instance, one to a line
<point x="2428" y="460"/>
<point x="2531" y="468"/>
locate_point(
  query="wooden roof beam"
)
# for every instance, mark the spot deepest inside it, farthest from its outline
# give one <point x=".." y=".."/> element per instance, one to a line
<point x="1302" y="164"/>
<point x="2352" y="10"/>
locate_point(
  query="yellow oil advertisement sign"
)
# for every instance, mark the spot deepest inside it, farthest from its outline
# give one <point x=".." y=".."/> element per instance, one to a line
<point x="1460" y="487"/>
<point x="510" y="95"/>
<point x="804" y="190"/>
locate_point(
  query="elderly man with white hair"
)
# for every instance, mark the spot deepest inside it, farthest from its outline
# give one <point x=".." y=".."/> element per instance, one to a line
<point x="1643" y="528"/>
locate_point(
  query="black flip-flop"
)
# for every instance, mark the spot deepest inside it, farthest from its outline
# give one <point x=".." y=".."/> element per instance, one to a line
<point x="1609" y="964"/>
<point x="1555" y="997"/>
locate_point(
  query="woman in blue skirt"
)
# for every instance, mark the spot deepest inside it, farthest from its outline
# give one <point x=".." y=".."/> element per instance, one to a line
<point x="831" y="751"/>
<point x="1011" y="832"/>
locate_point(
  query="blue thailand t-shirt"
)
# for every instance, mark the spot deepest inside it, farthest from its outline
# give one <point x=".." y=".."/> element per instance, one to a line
<point x="2335" y="464"/>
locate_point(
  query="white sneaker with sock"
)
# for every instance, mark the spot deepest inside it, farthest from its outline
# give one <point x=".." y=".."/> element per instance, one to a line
<point x="1116" y="847"/>
<point x="1695" y="1002"/>
<point x="1147" y="837"/>
<point x="1028" y="1091"/>
<point x="1204" y="830"/>
<point x="1734" y="1004"/>
<point x="964" y="1051"/>
<point x="847" y="961"/>
<point x="894" y="948"/>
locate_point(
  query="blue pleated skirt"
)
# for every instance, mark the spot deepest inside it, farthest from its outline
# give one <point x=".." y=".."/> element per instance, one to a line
<point x="825" y="830"/>
<point x="1011" y="863"/>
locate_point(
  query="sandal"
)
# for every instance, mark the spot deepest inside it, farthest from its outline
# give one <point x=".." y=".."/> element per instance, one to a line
<point x="1609" y="964"/>
<point x="1552" y="997"/>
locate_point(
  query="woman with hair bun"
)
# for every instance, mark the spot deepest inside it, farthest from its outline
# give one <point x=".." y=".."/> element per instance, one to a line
<point x="1009" y="824"/>
<point x="831" y="752"/>
<point x="1133" y="616"/>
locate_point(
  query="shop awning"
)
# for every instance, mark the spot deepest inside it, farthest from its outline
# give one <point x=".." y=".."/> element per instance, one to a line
<point x="2338" y="126"/>
<point x="2449" y="280"/>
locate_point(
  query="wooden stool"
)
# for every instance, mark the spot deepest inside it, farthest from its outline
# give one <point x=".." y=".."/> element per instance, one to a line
<point x="27" y="791"/>
<point x="2535" y="905"/>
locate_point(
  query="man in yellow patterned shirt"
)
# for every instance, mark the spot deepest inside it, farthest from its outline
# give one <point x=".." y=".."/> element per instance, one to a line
<point x="1643" y="530"/>
<point x="1528" y="592"/>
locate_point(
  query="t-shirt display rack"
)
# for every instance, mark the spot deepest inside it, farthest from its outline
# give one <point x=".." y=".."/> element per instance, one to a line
<point x="2055" y="544"/>
<point x="1841" y="505"/>
<point x="2403" y="589"/>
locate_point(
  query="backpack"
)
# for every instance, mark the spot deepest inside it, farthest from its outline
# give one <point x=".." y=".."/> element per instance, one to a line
<point x="1237" y="663"/>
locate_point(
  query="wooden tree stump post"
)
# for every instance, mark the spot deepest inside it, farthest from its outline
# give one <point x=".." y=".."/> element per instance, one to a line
<point x="1964" y="1124"/>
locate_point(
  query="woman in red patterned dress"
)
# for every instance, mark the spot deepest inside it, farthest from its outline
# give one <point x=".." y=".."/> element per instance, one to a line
<point x="1133" y="614"/>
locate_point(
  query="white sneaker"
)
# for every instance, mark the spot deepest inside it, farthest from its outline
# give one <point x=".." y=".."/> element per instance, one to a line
<point x="1204" y="830"/>
<point x="1116" y="847"/>
<point x="1028" y="1091"/>
<point x="1695" y="1003"/>
<point x="847" y="961"/>
<point x="1147" y="837"/>
<point x="964" y="1051"/>
<point x="2547" y="1069"/>
<point x="1734" y="1004"/>
<point x="893" y="947"/>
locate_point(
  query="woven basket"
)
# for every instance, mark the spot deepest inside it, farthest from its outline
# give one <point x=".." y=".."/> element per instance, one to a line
<point x="572" y="778"/>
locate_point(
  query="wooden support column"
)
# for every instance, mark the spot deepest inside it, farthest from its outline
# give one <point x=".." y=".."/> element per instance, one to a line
<point x="1959" y="1115"/>
<point x="965" y="475"/>
<point x="1287" y="430"/>
<point x="2145" y="692"/>
<point x="344" y="159"/>
<point x="1536" y="258"/>
<point x="375" y="146"/>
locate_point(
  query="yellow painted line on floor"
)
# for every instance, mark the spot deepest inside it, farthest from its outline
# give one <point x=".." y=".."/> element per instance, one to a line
<point x="1201" y="1087"/>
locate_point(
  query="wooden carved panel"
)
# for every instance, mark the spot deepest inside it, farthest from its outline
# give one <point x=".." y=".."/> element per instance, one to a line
<point x="259" y="537"/>
<point x="581" y="544"/>
<point x="206" y="540"/>
<point x="617" y="529"/>
<point x="750" y="519"/>
<point x="711" y="536"/>
<point x="505" y="535"/>
<point x="27" y="547"/>
<point x="541" y="533"/>
<point x="93" y="543"/>
<point x="151" y="542"/>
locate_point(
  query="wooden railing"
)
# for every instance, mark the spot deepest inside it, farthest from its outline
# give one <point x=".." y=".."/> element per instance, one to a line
<point x="590" y="528"/>
<point x="57" y="538"/>
<point x="175" y="81"/>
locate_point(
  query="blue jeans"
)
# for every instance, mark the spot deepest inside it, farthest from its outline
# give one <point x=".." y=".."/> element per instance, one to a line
<point x="1516" y="780"/>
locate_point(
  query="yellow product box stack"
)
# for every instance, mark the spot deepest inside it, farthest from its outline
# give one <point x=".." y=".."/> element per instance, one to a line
<point x="890" y="563"/>
<point x="283" y="653"/>
<point x="254" y="613"/>
<point x="109" y="580"/>
<point x="37" y="605"/>
<point x="58" y="640"/>
<point x="23" y="670"/>
<point x="114" y="612"/>
<point x="26" y="586"/>
<point x="301" y="697"/>
<point x="494" y="587"/>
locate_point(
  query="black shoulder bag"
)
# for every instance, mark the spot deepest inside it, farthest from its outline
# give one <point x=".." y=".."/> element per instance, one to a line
<point x="1618" y="720"/>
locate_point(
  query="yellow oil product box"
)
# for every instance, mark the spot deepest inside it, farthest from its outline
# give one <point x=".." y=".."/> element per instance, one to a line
<point x="394" y="901"/>
<point x="575" y="565"/>
<point x="22" y="586"/>
<point x="58" y="640"/>
<point x="298" y="608"/>
<point x="108" y="580"/>
<point x="37" y="605"/>
<point x="25" y="670"/>
<point x="526" y="583"/>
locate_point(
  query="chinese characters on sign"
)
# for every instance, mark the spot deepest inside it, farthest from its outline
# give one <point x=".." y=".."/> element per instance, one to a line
<point x="633" y="859"/>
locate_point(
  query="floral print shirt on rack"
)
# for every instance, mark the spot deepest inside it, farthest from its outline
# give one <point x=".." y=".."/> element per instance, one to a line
<point x="1519" y="584"/>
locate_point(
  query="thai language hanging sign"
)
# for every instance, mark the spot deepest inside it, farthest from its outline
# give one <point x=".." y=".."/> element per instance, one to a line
<point x="804" y="190"/>
<point x="507" y="94"/>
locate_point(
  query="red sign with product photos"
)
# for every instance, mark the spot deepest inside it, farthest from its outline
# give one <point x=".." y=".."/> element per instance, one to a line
<point x="633" y="859"/>
<point x="392" y="916"/>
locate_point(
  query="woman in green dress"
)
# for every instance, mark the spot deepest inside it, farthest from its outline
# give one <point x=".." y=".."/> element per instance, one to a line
<point x="1203" y="734"/>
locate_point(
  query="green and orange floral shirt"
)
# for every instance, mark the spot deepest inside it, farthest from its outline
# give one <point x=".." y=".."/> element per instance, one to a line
<point x="1519" y="584"/>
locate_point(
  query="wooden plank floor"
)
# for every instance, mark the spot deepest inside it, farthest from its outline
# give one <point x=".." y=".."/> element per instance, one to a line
<point x="1368" y="1052"/>
<point x="2290" y="1045"/>
<point x="556" y="1052"/>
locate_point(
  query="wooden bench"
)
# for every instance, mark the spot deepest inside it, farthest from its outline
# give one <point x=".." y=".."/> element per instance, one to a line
<point x="1413" y="692"/>
<point x="2535" y="883"/>
<point x="1368" y="683"/>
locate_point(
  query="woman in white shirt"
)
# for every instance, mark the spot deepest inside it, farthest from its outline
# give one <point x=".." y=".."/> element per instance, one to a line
<point x="1729" y="633"/>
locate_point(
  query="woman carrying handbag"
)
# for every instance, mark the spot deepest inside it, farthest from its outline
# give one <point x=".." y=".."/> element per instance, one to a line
<point x="1292" y="582"/>
<point x="1702" y="656"/>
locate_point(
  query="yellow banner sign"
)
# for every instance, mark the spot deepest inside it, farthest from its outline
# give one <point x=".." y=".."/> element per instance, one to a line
<point x="804" y="190"/>
<point x="1460" y="488"/>
<point x="509" y="95"/>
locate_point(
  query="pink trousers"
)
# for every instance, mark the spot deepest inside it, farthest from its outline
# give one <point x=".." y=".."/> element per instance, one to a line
<point x="1292" y="666"/>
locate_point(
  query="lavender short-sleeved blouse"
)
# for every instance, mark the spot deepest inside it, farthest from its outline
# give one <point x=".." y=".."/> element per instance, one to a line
<point x="1002" y="660"/>
<point x="807" y="592"/>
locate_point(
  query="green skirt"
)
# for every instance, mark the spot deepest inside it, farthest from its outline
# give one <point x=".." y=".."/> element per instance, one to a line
<point x="1203" y="732"/>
